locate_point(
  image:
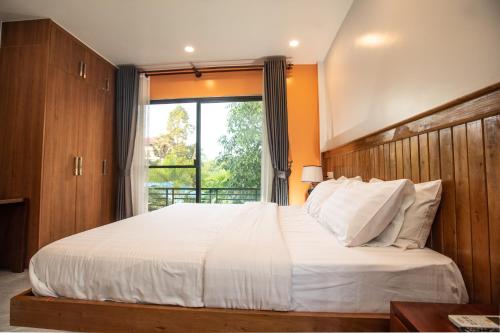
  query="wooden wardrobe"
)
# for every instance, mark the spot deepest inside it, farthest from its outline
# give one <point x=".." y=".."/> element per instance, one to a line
<point x="56" y="130"/>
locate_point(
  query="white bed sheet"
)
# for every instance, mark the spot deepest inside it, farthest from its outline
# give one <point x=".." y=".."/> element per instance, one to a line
<point x="150" y="258"/>
<point x="329" y="277"/>
<point x="170" y="247"/>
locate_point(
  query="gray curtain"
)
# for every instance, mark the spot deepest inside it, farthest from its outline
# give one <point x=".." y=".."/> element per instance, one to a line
<point x="277" y="125"/>
<point x="127" y="90"/>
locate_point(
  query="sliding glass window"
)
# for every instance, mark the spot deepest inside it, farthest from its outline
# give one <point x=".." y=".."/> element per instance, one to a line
<point x="204" y="150"/>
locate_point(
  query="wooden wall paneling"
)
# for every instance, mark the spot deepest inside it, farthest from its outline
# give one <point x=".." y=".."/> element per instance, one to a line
<point x="462" y="207"/>
<point x="423" y="150"/>
<point x="399" y="159"/>
<point x="387" y="162"/>
<point x="406" y="159"/>
<point x="434" y="174"/>
<point x="448" y="196"/>
<point x="57" y="219"/>
<point x="478" y="213"/>
<point x="459" y="144"/>
<point x="415" y="163"/>
<point x="492" y="163"/>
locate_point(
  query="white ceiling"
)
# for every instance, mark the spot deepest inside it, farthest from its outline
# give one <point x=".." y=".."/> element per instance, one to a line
<point x="151" y="33"/>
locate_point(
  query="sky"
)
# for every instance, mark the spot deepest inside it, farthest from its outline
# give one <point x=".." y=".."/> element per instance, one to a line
<point x="213" y="124"/>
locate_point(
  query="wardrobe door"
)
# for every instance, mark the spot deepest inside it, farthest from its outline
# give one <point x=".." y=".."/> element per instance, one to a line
<point x="89" y="183"/>
<point x="66" y="52"/>
<point x="58" y="196"/>
<point x="109" y="165"/>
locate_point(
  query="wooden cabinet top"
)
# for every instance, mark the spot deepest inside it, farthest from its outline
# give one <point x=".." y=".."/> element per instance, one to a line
<point x="433" y="317"/>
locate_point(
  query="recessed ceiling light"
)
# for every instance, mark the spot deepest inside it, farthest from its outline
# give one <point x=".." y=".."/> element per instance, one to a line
<point x="294" y="43"/>
<point x="189" y="49"/>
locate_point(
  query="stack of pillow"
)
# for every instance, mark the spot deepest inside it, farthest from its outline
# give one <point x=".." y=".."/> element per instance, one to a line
<point x="378" y="213"/>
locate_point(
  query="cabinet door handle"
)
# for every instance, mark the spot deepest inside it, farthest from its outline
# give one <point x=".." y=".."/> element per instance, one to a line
<point x="107" y="84"/>
<point x="80" y="73"/>
<point x="104" y="167"/>
<point x="80" y="166"/>
<point x="84" y="70"/>
<point x="75" y="166"/>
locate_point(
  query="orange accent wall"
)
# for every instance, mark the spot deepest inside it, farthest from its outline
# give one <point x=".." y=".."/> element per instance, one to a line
<point x="302" y="100"/>
<point x="303" y="126"/>
<point x="209" y="85"/>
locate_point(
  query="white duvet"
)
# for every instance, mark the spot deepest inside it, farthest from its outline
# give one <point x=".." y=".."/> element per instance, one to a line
<point x="187" y="254"/>
<point x="252" y="256"/>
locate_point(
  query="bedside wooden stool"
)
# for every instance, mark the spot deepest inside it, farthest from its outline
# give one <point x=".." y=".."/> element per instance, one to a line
<point x="432" y="317"/>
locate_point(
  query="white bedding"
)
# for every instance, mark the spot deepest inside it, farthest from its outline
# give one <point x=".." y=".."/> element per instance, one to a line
<point x="330" y="277"/>
<point x="174" y="256"/>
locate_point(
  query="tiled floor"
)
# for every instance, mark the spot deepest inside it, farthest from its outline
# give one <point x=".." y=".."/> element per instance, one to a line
<point x="12" y="284"/>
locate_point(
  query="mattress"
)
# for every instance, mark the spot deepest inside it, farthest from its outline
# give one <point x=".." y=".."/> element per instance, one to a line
<point x="329" y="277"/>
<point x="159" y="258"/>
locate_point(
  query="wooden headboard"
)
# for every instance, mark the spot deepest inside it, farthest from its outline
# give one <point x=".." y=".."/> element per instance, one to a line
<point x="458" y="142"/>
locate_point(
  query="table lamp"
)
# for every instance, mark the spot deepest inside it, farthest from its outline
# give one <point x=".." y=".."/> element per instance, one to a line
<point x="312" y="174"/>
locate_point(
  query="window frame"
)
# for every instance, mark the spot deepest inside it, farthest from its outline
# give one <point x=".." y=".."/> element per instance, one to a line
<point x="199" y="101"/>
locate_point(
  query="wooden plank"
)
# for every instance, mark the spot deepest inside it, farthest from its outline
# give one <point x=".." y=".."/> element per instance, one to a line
<point x="478" y="214"/>
<point x="349" y="165"/>
<point x="376" y="163"/>
<point x="448" y="217"/>
<point x="381" y="162"/>
<point x="434" y="174"/>
<point x="372" y="163"/>
<point x="424" y="157"/>
<point x="415" y="163"/>
<point x="492" y="162"/>
<point x="406" y="159"/>
<point x="387" y="162"/>
<point x="399" y="160"/>
<point x="392" y="159"/>
<point x="98" y="316"/>
<point x="462" y="207"/>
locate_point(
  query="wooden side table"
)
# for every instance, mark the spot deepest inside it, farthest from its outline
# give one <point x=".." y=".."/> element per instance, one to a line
<point x="432" y="317"/>
<point x="13" y="233"/>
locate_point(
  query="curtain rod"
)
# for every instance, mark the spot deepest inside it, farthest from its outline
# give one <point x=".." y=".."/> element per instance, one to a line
<point x="206" y="70"/>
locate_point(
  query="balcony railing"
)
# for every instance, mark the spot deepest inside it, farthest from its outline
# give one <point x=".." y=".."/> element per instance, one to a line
<point x="164" y="196"/>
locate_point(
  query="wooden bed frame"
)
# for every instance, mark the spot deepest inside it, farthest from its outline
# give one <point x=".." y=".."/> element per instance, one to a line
<point x="458" y="142"/>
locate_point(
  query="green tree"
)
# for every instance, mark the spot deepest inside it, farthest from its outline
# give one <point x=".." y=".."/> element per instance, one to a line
<point x="171" y="148"/>
<point x="241" y="153"/>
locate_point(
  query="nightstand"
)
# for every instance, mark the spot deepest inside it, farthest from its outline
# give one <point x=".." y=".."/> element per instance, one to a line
<point x="432" y="317"/>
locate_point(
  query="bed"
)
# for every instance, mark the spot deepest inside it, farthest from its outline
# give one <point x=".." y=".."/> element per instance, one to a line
<point x="325" y="285"/>
<point x="159" y="258"/>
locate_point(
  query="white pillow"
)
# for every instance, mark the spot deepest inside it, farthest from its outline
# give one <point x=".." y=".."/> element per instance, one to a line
<point x="321" y="192"/>
<point x="358" y="213"/>
<point x="419" y="216"/>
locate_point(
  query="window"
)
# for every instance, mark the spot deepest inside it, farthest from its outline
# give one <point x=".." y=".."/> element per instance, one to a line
<point x="204" y="150"/>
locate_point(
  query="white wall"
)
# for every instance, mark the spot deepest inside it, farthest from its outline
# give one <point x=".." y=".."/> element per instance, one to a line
<point x="393" y="59"/>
